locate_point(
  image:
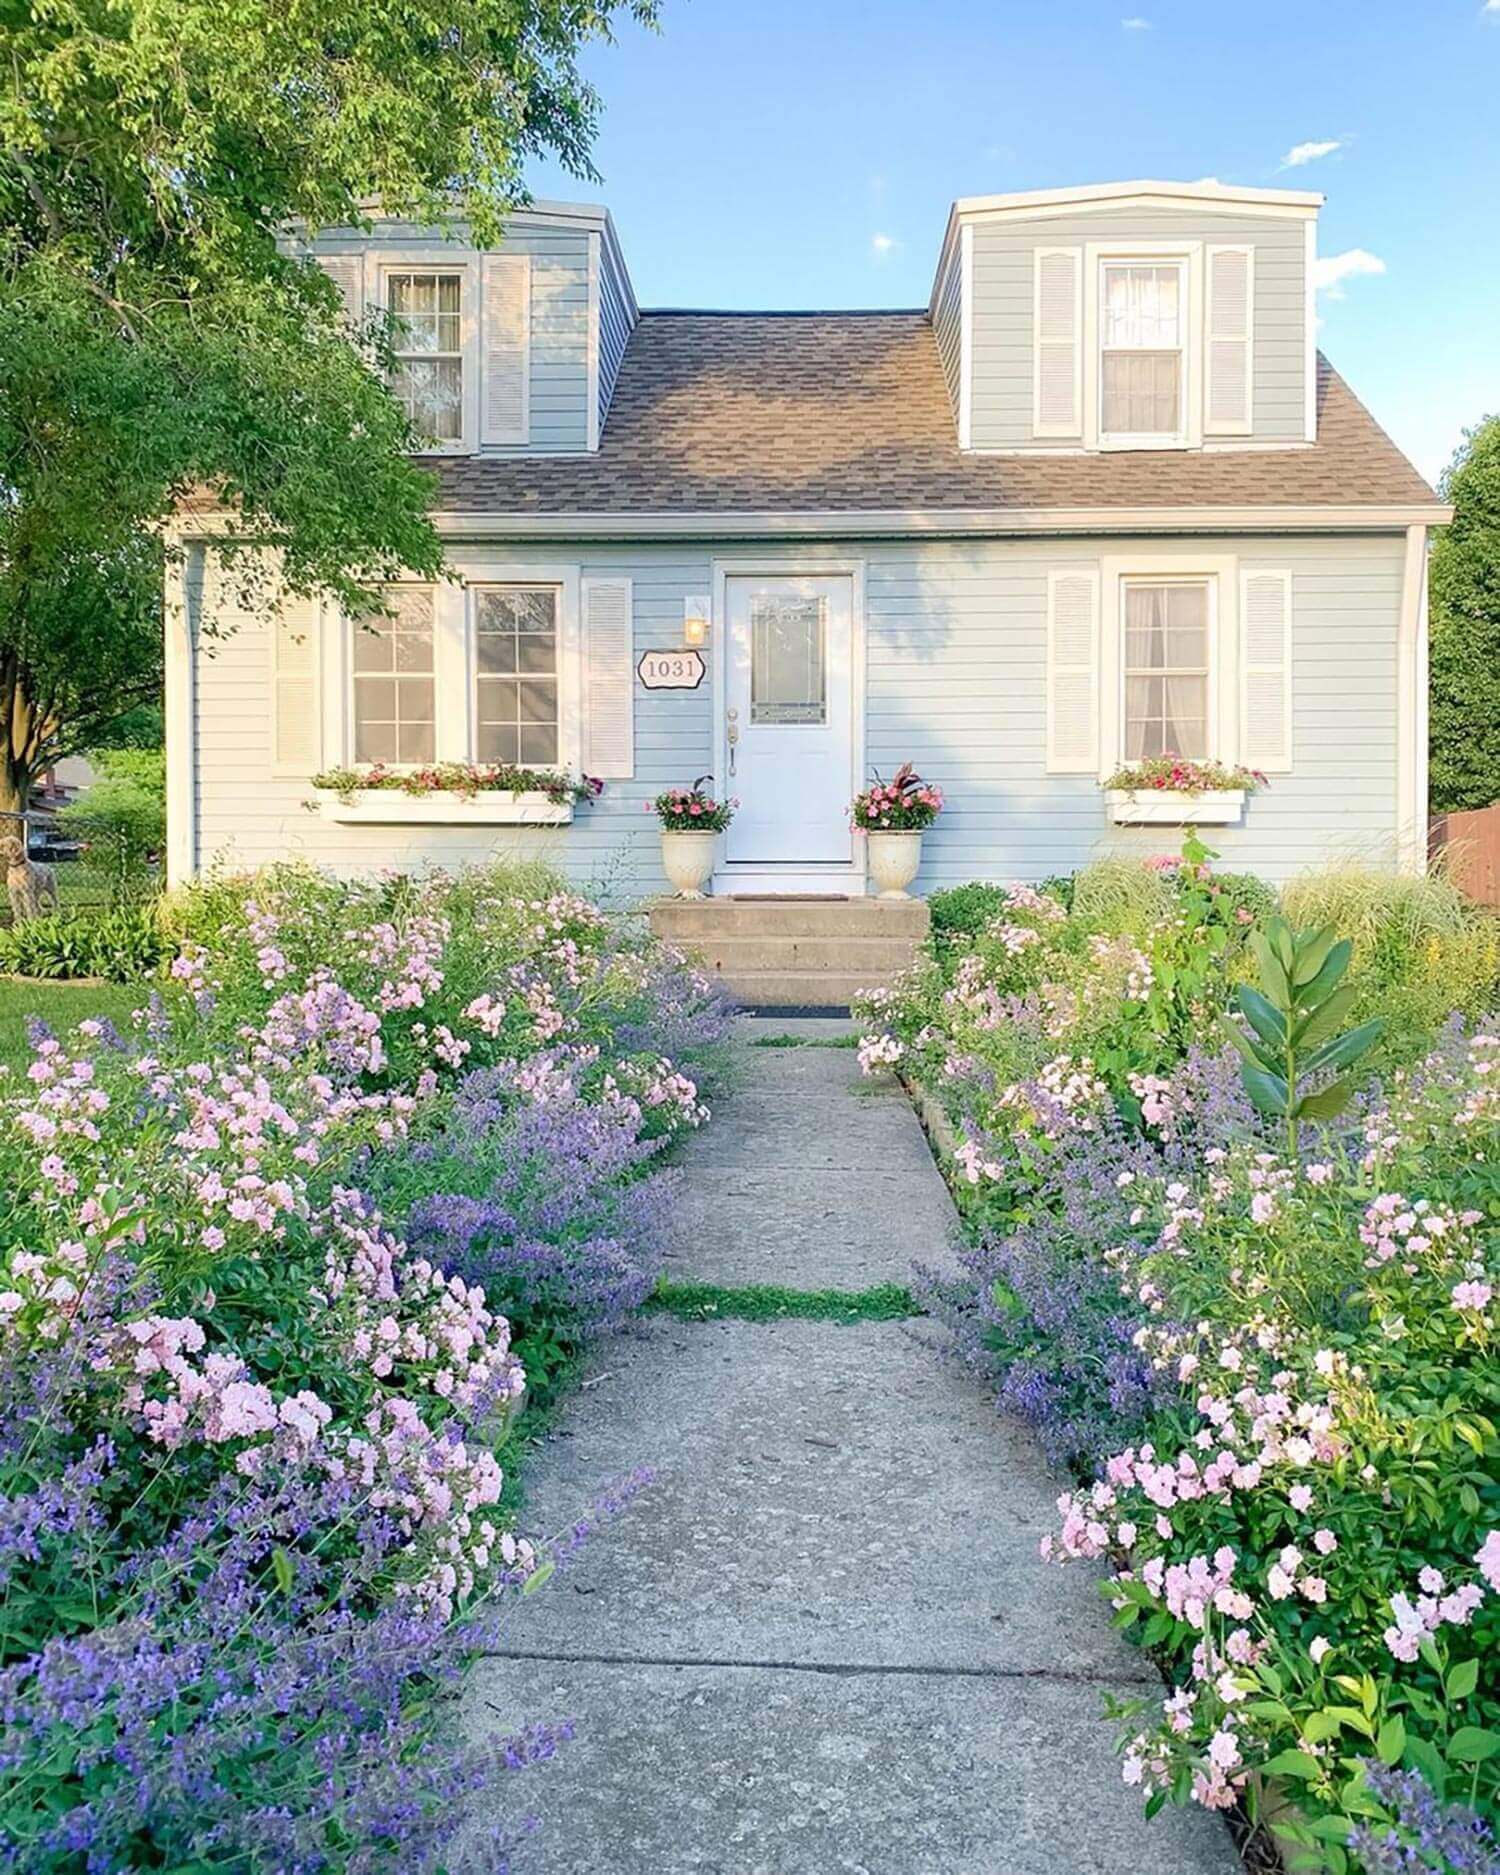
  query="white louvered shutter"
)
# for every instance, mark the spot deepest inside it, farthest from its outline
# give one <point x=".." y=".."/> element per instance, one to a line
<point x="1059" y="341"/>
<point x="505" y="394"/>
<point x="347" y="272"/>
<point x="296" y="740"/>
<point x="1266" y="671"/>
<point x="1072" y="673"/>
<point x="608" y="679"/>
<point x="1231" y="297"/>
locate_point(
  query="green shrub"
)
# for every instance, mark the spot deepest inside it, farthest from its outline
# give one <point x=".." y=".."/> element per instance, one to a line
<point x="122" y="946"/>
<point x="122" y="821"/>
<point x="962" y="911"/>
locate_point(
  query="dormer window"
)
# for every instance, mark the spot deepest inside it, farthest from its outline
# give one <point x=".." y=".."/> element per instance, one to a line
<point x="429" y="346"/>
<point x="1142" y="351"/>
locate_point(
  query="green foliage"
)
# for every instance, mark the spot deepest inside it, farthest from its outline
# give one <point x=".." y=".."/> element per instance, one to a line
<point x="1295" y="1019"/>
<point x="962" y="911"/>
<point x="122" y="945"/>
<point x="155" y="337"/>
<point x="1421" y="950"/>
<point x="122" y="820"/>
<point x="1464" y="587"/>
<point x="770" y="1302"/>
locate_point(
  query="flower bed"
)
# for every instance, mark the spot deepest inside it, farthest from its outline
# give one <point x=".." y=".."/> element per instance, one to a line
<point x="1271" y="1372"/>
<point x="280" y="1269"/>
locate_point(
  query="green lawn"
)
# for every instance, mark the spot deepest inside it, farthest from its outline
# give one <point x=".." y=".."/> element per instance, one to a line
<point x="60" y="1005"/>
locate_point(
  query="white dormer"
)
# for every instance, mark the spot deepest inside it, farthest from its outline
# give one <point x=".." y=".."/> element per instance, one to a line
<point x="1130" y="316"/>
<point x="513" y="351"/>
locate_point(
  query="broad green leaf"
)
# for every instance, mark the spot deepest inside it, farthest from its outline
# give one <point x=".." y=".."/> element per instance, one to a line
<point x="1312" y="954"/>
<point x="1390" y="1741"/>
<point x="1291" y="1764"/>
<point x="1345" y="1048"/>
<point x="283" y="1569"/>
<point x="1422" y="1755"/>
<point x="1462" y="1679"/>
<point x="1268" y="1091"/>
<point x="1272" y="975"/>
<point x="1316" y="1026"/>
<point x="1472" y="1744"/>
<point x="1266" y="1020"/>
<point x="1322" y="985"/>
<point x="1327" y="1104"/>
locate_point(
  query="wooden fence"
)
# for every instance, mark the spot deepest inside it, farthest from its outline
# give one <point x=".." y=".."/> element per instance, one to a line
<point x="1469" y="848"/>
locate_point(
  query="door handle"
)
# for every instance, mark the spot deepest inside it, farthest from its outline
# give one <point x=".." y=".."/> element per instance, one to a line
<point x="731" y="734"/>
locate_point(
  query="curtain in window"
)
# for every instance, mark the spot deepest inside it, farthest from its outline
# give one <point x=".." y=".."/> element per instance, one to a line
<point x="1142" y="361"/>
<point x="1166" y="671"/>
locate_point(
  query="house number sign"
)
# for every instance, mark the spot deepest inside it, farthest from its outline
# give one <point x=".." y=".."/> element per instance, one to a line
<point x="671" y="670"/>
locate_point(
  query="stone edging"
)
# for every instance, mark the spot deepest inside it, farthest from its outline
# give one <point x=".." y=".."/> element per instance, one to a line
<point x="935" y="1122"/>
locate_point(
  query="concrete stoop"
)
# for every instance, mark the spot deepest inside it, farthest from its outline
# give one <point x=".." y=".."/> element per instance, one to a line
<point x="787" y="953"/>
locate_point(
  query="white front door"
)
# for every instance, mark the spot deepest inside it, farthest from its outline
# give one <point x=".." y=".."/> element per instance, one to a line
<point x="789" y="718"/>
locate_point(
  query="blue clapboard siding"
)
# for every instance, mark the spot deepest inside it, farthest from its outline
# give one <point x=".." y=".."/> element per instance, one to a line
<point x="947" y="326"/>
<point x="955" y="682"/>
<point x="1004" y="309"/>
<point x="559" y="316"/>
<point x="616" y="318"/>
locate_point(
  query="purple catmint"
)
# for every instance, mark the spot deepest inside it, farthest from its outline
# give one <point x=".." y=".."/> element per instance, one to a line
<point x="1424" y="1834"/>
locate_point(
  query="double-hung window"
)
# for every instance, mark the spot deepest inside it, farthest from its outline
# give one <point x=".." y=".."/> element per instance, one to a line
<point x="1166" y="668"/>
<point x="516" y="674"/>
<point x="1143" y="309"/>
<point x="427" y="306"/>
<point x="393" y="680"/>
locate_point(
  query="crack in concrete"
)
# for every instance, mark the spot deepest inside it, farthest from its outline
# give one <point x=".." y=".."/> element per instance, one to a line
<point x="832" y="1668"/>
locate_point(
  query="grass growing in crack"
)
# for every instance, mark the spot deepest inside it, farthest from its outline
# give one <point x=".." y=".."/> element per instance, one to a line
<point x="772" y="1302"/>
<point x="804" y="1041"/>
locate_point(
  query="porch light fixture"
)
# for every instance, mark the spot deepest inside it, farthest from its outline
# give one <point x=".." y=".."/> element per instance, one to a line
<point x="695" y="622"/>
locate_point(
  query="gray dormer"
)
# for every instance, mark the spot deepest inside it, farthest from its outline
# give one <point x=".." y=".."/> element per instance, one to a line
<point x="508" y="352"/>
<point x="1135" y="315"/>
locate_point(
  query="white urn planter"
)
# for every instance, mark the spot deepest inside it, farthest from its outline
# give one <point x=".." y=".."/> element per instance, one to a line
<point x="1168" y="807"/>
<point x="894" y="861"/>
<point x="688" y="861"/>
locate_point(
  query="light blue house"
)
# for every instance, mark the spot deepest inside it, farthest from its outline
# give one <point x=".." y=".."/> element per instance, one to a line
<point x="1099" y="498"/>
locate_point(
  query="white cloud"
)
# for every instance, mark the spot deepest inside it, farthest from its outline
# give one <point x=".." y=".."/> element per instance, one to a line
<point x="1135" y="24"/>
<point x="1492" y="6"/>
<point x="1332" y="270"/>
<point x="882" y="246"/>
<point x="1301" y="153"/>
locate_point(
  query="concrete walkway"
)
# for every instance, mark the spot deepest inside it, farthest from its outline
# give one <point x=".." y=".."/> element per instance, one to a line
<point x="823" y="1642"/>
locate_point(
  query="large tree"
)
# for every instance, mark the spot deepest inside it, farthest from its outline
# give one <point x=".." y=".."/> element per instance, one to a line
<point x="1464" y="586"/>
<point x="157" y="338"/>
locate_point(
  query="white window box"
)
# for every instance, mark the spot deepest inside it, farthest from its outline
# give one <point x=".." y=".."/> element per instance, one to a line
<point x="488" y="807"/>
<point x="1165" y="807"/>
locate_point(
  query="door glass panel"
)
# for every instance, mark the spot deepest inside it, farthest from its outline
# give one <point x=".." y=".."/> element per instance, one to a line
<point x="788" y="660"/>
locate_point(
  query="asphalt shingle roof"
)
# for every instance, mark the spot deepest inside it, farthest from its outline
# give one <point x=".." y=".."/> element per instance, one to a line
<point x="735" y="412"/>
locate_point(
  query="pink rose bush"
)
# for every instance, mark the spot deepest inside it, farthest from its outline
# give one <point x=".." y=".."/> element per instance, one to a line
<point x="253" y="1401"/>
<point x="1272" y="1378"/>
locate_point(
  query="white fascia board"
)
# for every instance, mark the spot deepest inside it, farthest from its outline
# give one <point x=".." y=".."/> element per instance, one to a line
<point x="1203" y="195"/>
<point x="857" y="523"/>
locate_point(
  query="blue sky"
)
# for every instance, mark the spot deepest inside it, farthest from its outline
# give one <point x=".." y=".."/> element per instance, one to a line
<point x="804" y="154"/>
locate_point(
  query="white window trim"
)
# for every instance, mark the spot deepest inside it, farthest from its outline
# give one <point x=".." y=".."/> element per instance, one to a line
<point x="455" y="702"/>
<point x="380" y="263"/>
<point x="340" y="730"/>
<point x="472" y="588"/>
<point x="1189" y="256"/>
<point x="566" y="579"/>
<point x="1171" y="565"/>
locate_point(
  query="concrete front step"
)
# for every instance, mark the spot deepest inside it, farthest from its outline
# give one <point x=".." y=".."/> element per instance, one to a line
<point x="866" y="956"/>
<point x="795" y="952"/>
<point x="808" y="917"/>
